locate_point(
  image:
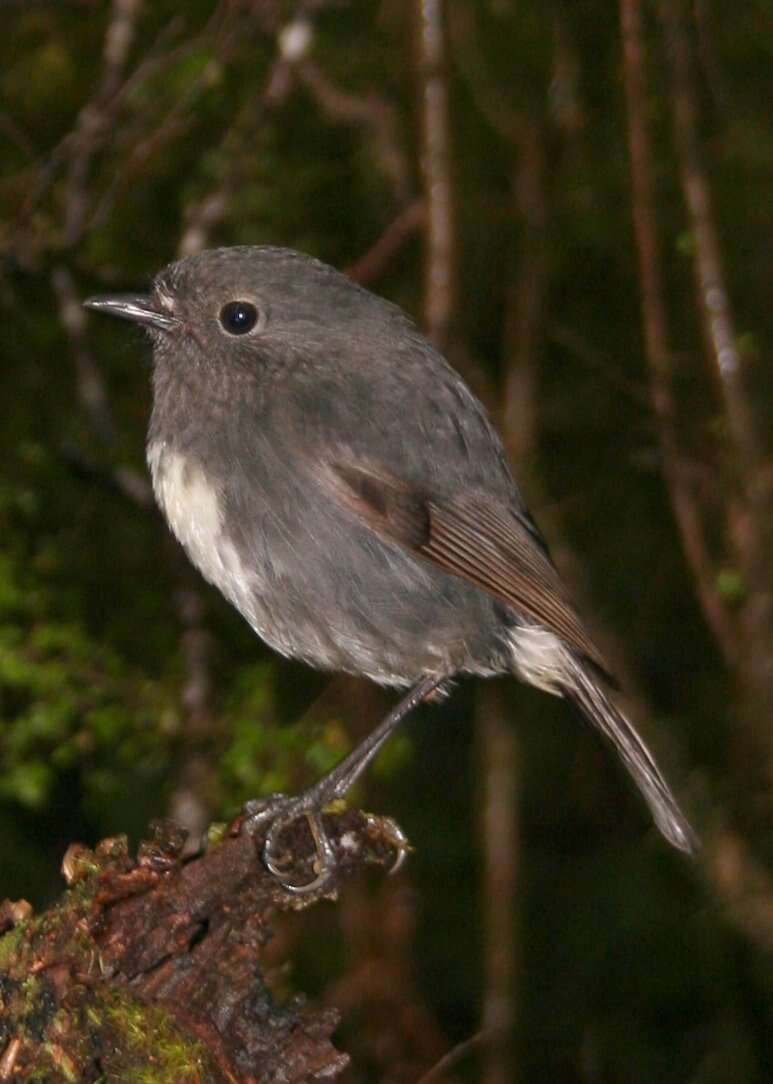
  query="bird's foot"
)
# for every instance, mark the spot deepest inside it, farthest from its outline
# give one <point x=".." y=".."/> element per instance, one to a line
<point x="278" y="816"/>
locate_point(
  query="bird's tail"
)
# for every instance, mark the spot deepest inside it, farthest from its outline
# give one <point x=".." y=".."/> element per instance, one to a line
<point x="580" y="686"/>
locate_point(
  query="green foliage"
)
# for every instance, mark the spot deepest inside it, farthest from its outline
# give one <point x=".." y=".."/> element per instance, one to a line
<point x="69" y="702"/>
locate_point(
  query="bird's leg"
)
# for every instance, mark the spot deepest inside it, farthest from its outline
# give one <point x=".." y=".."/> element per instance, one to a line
<point x="281" y="810"/>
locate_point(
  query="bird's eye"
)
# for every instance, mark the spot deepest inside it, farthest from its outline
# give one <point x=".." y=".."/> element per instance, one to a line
<point x="238" y="317"/>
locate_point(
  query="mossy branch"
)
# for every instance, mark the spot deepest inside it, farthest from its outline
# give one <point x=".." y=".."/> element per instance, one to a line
<point x="149" y="969"/>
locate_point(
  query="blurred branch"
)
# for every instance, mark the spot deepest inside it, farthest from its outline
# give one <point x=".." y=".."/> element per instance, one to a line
<point x="744" y="887"/>
<point x="497" y="739"/>
<point x="399" y="1035"/>
<point x="96" y="116"/>
<point x="15" y="134"/>
<point x="710" y="277"/>
<point x="523" y="335"/>
<point x="684" y="504"/>
<point x="601" y="363"/>
<point x="191" y="801"/>
<point x="372" y="264"/>
<point x="342" y="107"/>
<point x="748" y="503"/>
<point x="203" y="216"/>
<point x="707" y="51"/>
<point x="567" y="107"/>
<point x="294" y="39"/>
<point x="497" y="108"/>
<point x="500" y="838"/>
<point x="92" y="392"/>
<point x="142" y="140"/>
<point x="90" y="386"/>
<point x="748" y="528"/>
<point x="435" y="168"/>
<point x="526" y="297"/>
<point x="453" y="1057"/>
<point x="123" y="481"/>
<point x="93" y="121"/>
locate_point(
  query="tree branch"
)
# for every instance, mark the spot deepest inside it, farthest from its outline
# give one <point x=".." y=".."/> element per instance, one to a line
<point x="151" y="967"/>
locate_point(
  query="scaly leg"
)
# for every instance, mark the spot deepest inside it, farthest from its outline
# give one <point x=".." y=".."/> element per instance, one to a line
<point x="282" y="810"/>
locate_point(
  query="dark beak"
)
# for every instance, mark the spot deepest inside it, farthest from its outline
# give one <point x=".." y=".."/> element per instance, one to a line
<point x="137" y="308"/>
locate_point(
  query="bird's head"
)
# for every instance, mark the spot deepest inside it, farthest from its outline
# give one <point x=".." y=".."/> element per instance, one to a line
<point x="253" y="309"/>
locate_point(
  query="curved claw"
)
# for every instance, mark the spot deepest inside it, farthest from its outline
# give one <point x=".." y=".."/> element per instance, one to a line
<point x="325" y="861"/>
<point x="401" y="848"/>
<point x="390" y="830"/>
<point x="273" y="815"/>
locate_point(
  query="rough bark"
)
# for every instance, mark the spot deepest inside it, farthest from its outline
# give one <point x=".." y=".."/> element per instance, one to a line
<point x="150" y="968"/>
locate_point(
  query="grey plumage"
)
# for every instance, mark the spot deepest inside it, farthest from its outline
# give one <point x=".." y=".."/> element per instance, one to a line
<point x="340" y="484"/>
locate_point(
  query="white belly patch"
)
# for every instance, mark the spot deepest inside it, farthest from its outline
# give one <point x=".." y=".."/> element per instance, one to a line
<point x="192" y="507"/>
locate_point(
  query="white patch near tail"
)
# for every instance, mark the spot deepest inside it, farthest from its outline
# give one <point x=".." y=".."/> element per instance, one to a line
<point x="539" y="658"/>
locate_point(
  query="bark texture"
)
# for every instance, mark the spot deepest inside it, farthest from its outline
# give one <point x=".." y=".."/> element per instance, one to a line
<point x="150" y="968"/>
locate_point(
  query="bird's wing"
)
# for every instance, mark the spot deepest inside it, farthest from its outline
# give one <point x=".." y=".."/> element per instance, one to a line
<point x="473" y="536"/>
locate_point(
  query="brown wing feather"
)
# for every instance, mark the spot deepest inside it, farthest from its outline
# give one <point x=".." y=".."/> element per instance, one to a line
<point x="473" y="537"/>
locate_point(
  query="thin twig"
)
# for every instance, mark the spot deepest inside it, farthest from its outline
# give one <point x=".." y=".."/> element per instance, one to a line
<point x="499" y="756"/>
<point x="684" y="504"/>
<point x="91" y="389"/>
<point x="342" y="107"/>
<point x="372" y="264"/>
<point x="435" y="165"/>
<point x="748" y="503"/>
<point x="526" y="296"/>
<point x="191" y="799"/>
<point x="93" y="120"/>
<point x="523" y="334"/>
<point x="710" y="276"/>
<point x="454" y="1056"/>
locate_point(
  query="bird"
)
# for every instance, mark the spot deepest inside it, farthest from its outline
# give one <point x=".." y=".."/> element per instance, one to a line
<point x="326" y="468"/>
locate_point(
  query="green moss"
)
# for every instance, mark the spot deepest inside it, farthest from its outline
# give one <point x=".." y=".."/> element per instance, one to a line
<point x="29" y="938"/>
<point x="216" y="833"/>
<point x="148" y="1047"/>
<point x="11" y="944"/>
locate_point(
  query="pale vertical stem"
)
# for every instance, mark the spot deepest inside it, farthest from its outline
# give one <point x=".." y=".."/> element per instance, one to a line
<point x="524" y="320"/>
<point x="118" y="41"/>
<point x="192" y="797"/>
<point x="748" y="515"/>
<point x="435" y="166"/>
<point x="710" y="277"/>
<point x="524" y="324"/>
<point x="686" y="510"/>
<point x="496" y="737"/>
<point x="499" y="828"/>
<point x="718" y="323"/>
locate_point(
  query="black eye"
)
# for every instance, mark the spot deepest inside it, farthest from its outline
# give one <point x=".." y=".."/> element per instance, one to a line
<point x="238" y="317"/>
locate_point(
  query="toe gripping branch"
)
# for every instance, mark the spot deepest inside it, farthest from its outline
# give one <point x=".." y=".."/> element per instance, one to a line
<point x="311" y="852"/>
<point x="278" y="819"/>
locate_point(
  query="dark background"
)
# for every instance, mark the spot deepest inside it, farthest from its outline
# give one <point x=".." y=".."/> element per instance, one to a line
<point x="574" y="200"/>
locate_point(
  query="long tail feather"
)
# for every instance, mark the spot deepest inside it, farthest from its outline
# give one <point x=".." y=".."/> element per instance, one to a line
<point x="581" y="687"/>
